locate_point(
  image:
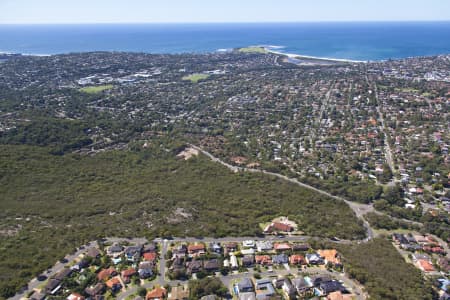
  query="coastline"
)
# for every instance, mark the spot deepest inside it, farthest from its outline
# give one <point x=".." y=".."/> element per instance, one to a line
<point x="301" y="56"/>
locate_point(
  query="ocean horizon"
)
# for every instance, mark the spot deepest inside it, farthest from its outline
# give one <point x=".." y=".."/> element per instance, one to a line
<point x="368" y="41"/>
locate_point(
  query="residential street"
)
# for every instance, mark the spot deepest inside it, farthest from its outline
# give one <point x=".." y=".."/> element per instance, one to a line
<point x="161" y="280"/>
<point x="360" y="209"/>
<point x="34" y="283"/>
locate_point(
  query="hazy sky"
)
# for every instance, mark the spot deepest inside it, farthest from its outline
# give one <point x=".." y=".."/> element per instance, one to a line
<point x="198" y="11"/>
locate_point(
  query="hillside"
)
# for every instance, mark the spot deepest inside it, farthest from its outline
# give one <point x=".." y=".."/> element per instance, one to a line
<point x="50" y="204"/>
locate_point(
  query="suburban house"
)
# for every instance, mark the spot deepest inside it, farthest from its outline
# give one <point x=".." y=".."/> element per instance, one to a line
<point x="314" y="259"/>
<point x="301" y="247"/>
<point x="425" y="265"/>
<point x="211" y="265"/>
<point x="262" y="246"/>
<point x="179" y="251"/>
<point x="330" y="256"/>
<point x="328" y="287"/>
<point x="245" y="285"/>
<point x="194" y="266"/>
<point x="179" y="293"/>
<point x="264" y="260"/>
<point x="105" y="274"/>
<point x="247" y="296"/>
<point x="278" y="227"/>
<point x="289" y="289"/>
<point x="114" y="284"/>
<point x="133" y="253"/>
<point x="52" y="286"/>
<point x="145" y="270"/>
<point x="297" y="259"/>
<point x="95" y="290"/>
<point x="301" y="285"/>
<point x="248" y="244"/>
<point x="177" y="265"/>
<point x="264" y="289"/>
<point x="230" y="247"/>
<point x="150" y="257"/>
<point x="75" y="296"/>
<point x="339" y="296"/>
<point x="282" y="247"/>
<point x="248" y="251"/>
<point x="196" y="250"/>
<point x="151" y="247"/>
<point x="93" y="252"/>
<point x="280" y="259"/>
<point x="115" y="251"/>
<point x="127" y="274"/>
<point x="158" y="293"/>
<point x="248" y="261"/>
<point x="37" y="296"/>
<point x="234" y="262"/>
<point x="215" y="248"/>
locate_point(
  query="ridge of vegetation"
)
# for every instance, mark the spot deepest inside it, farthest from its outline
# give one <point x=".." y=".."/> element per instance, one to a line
<point x="50" y="204"/>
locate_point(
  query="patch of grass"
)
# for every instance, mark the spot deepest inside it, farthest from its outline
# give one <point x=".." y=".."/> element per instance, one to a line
<point x="96" y="89"/>
<point x="194" y="78"/>
<point x="252" y="50"/>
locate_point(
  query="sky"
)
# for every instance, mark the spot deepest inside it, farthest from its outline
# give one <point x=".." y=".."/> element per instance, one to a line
<point x="219" y="11"/>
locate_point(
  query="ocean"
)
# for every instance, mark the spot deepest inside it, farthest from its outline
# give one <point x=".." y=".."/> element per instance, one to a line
<point x="356" y="41"/>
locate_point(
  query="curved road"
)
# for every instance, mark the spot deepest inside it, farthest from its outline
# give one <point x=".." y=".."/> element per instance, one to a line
<point x="359" y="208"/>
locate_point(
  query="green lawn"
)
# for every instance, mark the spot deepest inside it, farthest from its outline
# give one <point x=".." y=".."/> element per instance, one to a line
<point x="253" y="50"/>
<point x="194" y="78"/>
<point x="96" y="89"/>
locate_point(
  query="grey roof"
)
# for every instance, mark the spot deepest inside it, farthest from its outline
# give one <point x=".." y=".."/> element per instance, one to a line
<point x="52" y="284"/>
<point x="151" y="247"/>
<point x="211" y="264"/>
<point x="301" y="247"/>
<point x="263" y="281"/>
<point x="95" y="290"/>
<point x="37" y="296"/>
<point x="331" y="286"/>
<point x="93" y="252"/>
<point x="280" y="259"/>
<point x="132" y="250"/>
<point x="289" y="287"/>
<point x="63" y="274"/>
<point x="248" y="259"/>
<point x="245" y="285"/>
<point x="247" y="296"/>
<point x="300" y="283"/>
<point x="115" y="248"/>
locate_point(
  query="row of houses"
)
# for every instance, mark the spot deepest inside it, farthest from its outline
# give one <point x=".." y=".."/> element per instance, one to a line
<point x="195" y="258"/>
<point x="303" y="287"/>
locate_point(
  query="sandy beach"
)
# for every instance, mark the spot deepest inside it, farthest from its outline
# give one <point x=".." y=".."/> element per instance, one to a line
<point x="300" y="56"/>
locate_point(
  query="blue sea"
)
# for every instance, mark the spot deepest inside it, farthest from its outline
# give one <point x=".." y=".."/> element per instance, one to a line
<point x="357" y="41"/>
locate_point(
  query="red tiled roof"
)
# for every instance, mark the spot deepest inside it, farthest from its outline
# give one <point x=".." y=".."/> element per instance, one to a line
<point x="425" y="265"/>
<point x="282" y="246"/>
<point x="105" y="274"/>
<point x="75" y="296"/>
<point x="330" y="256"/>
<point x="194" y="248"/>
<point x="128" y="273"/>
<point x="263" y="259"/>
<point x="112" y="282"/>
<point x="157" y="293"/>
<point x="297" y="259"/>
<point x="282" y="227"/>
<point x="150" y="256"/>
